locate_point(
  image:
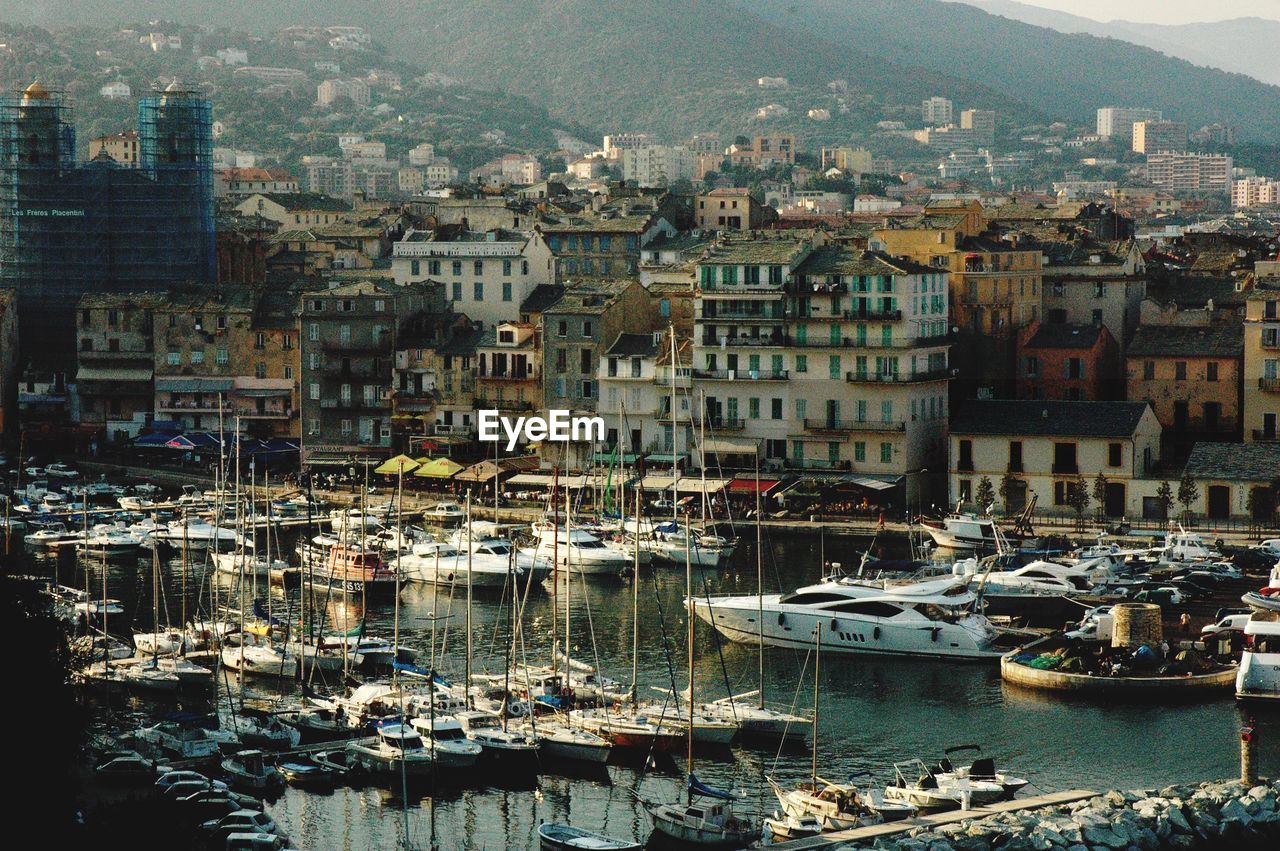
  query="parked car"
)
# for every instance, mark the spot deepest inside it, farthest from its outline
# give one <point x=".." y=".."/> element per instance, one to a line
<point x="1227" y="623"/>
<point x="241" y="821"/>
<point x="1163" y="596"/>
<point x="168" y="778"/>
<point x="184" y="788"/>
<point x="125" y="767"/>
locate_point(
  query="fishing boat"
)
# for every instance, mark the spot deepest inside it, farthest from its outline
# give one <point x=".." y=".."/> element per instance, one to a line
<point x="563" y="837"/>
<point x="931" y="619"/>
<point x="348" y="569"/>
<point x="249" y="769"/>
<point x="395" y="748"/>
<point x="1258" y="678"/>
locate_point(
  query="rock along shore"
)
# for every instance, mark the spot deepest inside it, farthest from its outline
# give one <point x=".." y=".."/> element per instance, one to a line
<point x="1214" y="815"/>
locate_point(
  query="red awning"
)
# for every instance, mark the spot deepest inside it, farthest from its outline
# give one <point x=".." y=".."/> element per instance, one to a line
<point x="749" y="485"/>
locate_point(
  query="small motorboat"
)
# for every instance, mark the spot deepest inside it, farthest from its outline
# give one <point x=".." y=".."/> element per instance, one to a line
<point x="486" y="730"/>
<point x="59" y="470"/>
<point x="262" y="730"/>
<point x="560" y="741"/>
<point x="50" y="536"/>
<point x="565" y="837"/>
<point x="708" y="824"/>
<point x="395" y="748"/>
<point x="927" y="792"/>
<point x="303" y="772"/>
<point x="983" y="768"/>
<point x="249" y="770"/>
<point x="787" y="826"/>
<point x="340" y="762"/>
<point x="445" y="512"/>
<point x="446" y="739"/>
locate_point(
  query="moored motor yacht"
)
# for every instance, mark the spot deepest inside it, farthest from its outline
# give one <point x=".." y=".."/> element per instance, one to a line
<point x="447" y="740"/>
<point x="445" y="512"/>
<point x="709" y="823"/>
<point x="249" y="769"/>
<point x="487" y="731"/>
<point x="580" y="551"/>
<point x="437" y="563"/>
<point x="932" y="618"/>
<point x="1266" y="598"/>
<point x="960" y="532"/>
<point x="917" y="785"/>
<point x="1258" y="678"/>
<point x="394" y="749"/>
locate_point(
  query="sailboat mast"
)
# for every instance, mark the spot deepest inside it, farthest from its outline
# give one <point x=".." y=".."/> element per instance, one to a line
<point x="395" y="630"/>
<point x="688" y="593"/>
<point x="635" y="604"/>
<point x="214" y="544"/>
<point x="555" y="562"/>
<point x="675" y="468"/>
<point x="568" y="578"/>
<point x="817" y="686"/>
<point x="466" y="684"/>
<point x="759" y="580"/>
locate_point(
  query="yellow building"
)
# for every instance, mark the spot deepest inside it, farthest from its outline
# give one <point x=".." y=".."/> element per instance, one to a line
<point x="995" y="286"/>
<point x="1262" y="360"/>
<point x="121" y="147"/>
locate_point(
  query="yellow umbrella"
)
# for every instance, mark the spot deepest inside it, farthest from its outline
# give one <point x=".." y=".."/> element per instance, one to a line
<point x="425" y="459"/>
<point x="398" y="464"/>
<point x="441" y="468"/>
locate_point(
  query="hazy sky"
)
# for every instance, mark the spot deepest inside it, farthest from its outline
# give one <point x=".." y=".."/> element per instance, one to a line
<point x="1164" y="11"/>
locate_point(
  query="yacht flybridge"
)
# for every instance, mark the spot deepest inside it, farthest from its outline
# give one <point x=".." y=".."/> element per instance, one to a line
<point x="933" y="618"/>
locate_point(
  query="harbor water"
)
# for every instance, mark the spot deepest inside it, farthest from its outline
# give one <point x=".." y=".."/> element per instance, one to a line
<point x="874" y="711"/>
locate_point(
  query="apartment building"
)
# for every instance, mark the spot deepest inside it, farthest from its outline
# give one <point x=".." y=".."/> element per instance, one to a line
<point x="1153" y="137"/>
<point x="116" y="361"/>
<point x="487" y="274"/>
<point x="729" y="209"/>
<point x="509" y="368"/>
<point x="982" y="123"/>
<point x="348" y="348"/>
<point x="829" y="357"/>
<point x="765" y="151"/>
<point x="1073" y="362"/>
<point x="1119" y="120"/>
<point x="1255" y="192"/>
<point x="1261" y="381"/>
<point x="1191" y="376"/>
<point x="937" y="111"/>
<point x="1095" y="283"/>
<point x="1191" y="172"/>
<point x="657" y="165"/>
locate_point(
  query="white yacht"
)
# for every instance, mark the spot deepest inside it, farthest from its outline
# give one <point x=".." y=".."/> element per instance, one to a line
<point x="448" y="741"/>
<point x="1266" y="598"/>
<point x="109" y="540"/>
<point x="347" y="520"/>
<point x="932" y="618"/>
<point x="917" y="785"/>
<point x="50" y="536"/>
<point x="195" y="535"/>
<point x="486" y="730"/>
<point x="666" y="540"/>
<point x="1258" y="678"/>
<point x="581" y="551"/>
<point x="251" y="653"/>
<point x="1183" y="547"/>
<point x="445" y="512"/>
<point x="179" y="741"/>
<point x="437" y="563"/>
<point x="963" y="533"/>
<point x="395" y="748"/>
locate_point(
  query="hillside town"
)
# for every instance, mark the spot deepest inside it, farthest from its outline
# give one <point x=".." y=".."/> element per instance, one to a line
<point x="582" y="425"/>
<point x="879" y="334"/>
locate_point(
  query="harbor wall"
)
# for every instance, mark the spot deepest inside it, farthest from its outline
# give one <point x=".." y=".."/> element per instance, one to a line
<point x="1213" y="815"/>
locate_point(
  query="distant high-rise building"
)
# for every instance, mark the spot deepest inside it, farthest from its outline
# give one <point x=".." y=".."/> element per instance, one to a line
<point x="983" y="124"/>
<point x="1152" y="137"/>
<point x="1189" y="172"/>
<point x="937" y="111"/>
<point x="1118" y="120"/>
<point x="1255" y="192"/>
<point x="330" y="90"/>
<point x="69" y="228"/>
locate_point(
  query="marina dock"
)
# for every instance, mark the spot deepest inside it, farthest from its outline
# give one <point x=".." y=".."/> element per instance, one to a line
<point x="873" y="832"/>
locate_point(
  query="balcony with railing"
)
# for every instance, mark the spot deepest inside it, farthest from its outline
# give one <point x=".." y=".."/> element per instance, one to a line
<point x="452" y="430"/>
<point x="833" y="425"/>
<point x="355" y="403"/>
<point x="774" y="340"/>
<point x="818" y="464"/>
<point x="872" y="377"/>
<point x="503" y="404"/>
<point x="742" y="374"/>
<point x="719" y="423"/>
<point x="709" y="312"/>
<point x="870" y="314"/>
<point x="1270" y="385"/>
<point x="363" y="345"/>
<point x="108" y="356"/>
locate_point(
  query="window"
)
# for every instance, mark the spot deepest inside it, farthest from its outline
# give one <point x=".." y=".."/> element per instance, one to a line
<point x="1180" y="370"/>
<point x="260" y="370"/>
<point x="584" y="361"/>
<point x="1148" y="370"/>
<point x="223" y="357"/>
<point x="859" y="450"/>
<point x="965" y="492"/>
<point x="260" y="340"/>
<point x="886" y="453"/>
<point x="317" y="305"/>
<point x="1015" y="456"/>
<point x="776" y="408"/>
<point x="965" y="461"/>
<point x="586" y="329"/>
<point x="313" y="426"/>
<point x="1075" y="368"/>
<point x="802" y="363"/>
<point x="506" y="291"/>
<point x="415" y="268"/>
<point x="1211" y="371"/>
<point x="314" y="390"/>
<point x="753" y="408"/>
<point x="1033" y="366"/>
<point x="113" y="318"/>
<point x="344" y="334"/>
<point x="506" y="268"/>
<point x="588" y="389"/>
<point x="197" y="356"/>
<point x="833" y="367"/>
<point x="86" y="344"/>
<point x="1064" y="458"/>
<point x="346" y="428"/>
<point x="313" y="332"/>
<point x="477" y="291"/>
<point x="288" y="372"/>
<point x="800" y="409"/>
<point x="664" y="308"/>
<point x="1115" y="454"/>
<point x="457" y="268"/>
<point x="457" y="290"/>
<point x="562" y="329"/>
<point x="313" y="361"/>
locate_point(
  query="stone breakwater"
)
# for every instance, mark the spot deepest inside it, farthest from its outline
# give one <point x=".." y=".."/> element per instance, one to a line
<point x="1215" y="815"/>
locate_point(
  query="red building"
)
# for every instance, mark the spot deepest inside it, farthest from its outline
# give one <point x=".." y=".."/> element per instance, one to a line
<point x="1068" y="362"/>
